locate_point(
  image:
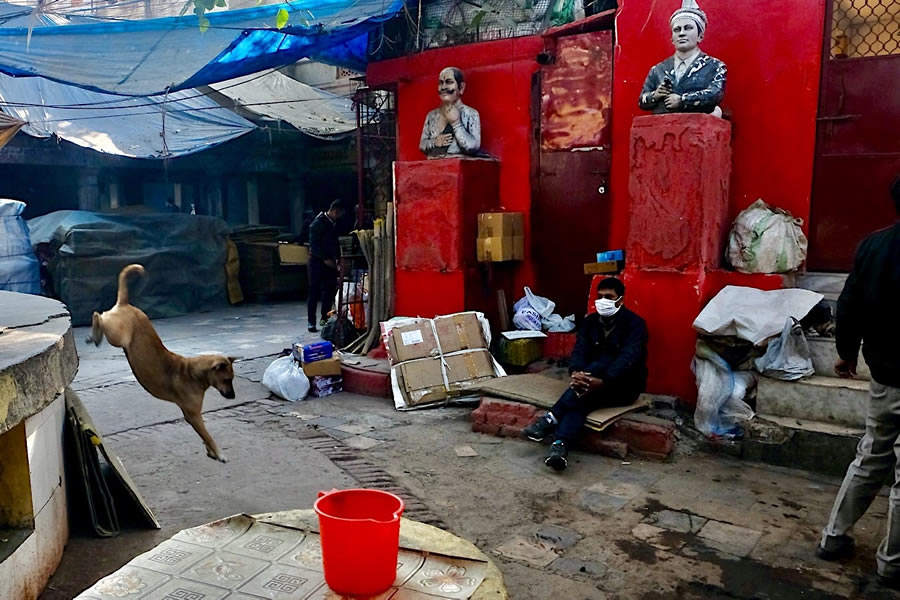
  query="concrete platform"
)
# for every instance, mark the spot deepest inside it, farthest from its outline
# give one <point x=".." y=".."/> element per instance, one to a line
<point x="825" y="399"/>
<point x="799" y="444"/>
<point x="824" y="354"/>
<point x="37" y="361"/>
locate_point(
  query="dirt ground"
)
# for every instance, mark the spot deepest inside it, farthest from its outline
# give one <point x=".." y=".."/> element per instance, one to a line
<point x="699" y="526"/>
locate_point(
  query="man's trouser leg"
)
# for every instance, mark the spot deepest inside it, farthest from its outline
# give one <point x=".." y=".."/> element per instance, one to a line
<point x="888" y="555"/>
<point x="571" y="411"/>
<point x="314" y="270"/>
<point x="875" y="459"/>
<point x="329" y="288"/>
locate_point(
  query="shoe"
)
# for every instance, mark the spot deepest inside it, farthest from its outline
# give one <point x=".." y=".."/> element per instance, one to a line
<point x="846" y="548"/>
<point x="312" y="328"/>
<point x="537" y="431"/>
<point x="892" y="582"/>
<point x="557" y="459"/>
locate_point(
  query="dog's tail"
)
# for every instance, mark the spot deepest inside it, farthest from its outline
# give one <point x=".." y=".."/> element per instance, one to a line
<point x="127" y="272"/>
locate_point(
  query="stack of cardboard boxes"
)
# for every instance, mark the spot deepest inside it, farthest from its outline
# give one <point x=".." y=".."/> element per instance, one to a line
<point x="321" y="367"/>
<point x="501" y="237"/>
<point x="436" y="359"/>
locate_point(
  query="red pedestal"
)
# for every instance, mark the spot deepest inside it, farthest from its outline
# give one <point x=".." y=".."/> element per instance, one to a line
<point x="437" y="204"/>
<point x="680" y="170"/>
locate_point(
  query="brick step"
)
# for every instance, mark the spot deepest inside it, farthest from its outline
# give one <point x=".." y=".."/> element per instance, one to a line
<point x="824" y="354"/>
<point x="800" y="444"/>
<point x="822" y="399"/>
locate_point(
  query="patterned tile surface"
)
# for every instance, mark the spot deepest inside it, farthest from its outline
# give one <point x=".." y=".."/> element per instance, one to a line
<point x="241" y="559"/>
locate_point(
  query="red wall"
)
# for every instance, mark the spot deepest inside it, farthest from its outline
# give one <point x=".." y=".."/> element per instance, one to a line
<point x="773" y="53"/>
<point x="498" y="86"/>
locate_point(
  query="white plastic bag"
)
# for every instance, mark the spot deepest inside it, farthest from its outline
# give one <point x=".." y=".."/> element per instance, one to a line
<point x="721" y="409"/>
<point x="543" y="306"/>
<point x="19" y="268"/>
<point x="766" y="240"/>
<point x="527" y="318"/>
<point x="555" y="323"/>
<point x="286" y="379"/>
<point x="788" y="357"/>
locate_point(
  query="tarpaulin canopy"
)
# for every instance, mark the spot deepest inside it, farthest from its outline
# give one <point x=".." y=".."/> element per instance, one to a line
<point x="146" y="57"/>
<point x="135" y="127"/>
<point x="311" y="110"/>
<point x="158" y="127"/>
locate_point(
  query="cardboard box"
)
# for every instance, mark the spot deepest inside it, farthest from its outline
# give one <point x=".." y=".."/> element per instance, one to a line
<point x="520" y="353"/>
<point x="501" y="224"/>
<point x="457" y="332"/>
<point x="322" y="386"/>
<point x="466" y="368"/>
<point x="312" y="352"/>
<point x="293" y="254"/>
<point x="411" y="342"/>
<point x="327" y="367"/>
<point x="598" y="268"/>
<point x="422" y="381"/>
<point x="500" y="249"/>
<point x="610" y="255"/>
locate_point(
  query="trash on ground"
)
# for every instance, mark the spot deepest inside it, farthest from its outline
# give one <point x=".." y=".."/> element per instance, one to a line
<point x="285" y="378"/>
<point x="788" y="356"/>
<point x="753" y="314"/>
<point x="721" y="410"/>
<point x="325" y="385"/>
<point x="465" y="451"/>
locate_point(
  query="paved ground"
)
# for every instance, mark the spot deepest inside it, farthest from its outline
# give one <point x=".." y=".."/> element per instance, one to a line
<point x="697" y="527"/>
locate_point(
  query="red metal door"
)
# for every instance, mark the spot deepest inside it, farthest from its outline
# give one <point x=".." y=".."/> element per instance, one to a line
<point x="572" y="205"/>
<point x="858" y="137"/>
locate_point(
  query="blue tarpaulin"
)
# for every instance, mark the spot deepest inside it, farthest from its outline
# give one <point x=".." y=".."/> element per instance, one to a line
<point x="152" y="56"/>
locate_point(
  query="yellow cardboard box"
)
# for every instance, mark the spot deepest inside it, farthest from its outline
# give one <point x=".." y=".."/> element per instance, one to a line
<point x="500" y="249"/>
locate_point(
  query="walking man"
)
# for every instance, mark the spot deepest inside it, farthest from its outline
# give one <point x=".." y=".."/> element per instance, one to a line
<point x="608" y="368"/>
<point x="868" y="312"/>
<point x="324" y="250"/>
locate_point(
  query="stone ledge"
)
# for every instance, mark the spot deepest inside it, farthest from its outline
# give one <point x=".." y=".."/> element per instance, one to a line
<point x="37" y="355"/>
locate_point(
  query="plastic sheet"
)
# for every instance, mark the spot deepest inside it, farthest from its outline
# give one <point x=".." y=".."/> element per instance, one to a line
<point x="183" y="256"/>
<point x="19" y="268"/>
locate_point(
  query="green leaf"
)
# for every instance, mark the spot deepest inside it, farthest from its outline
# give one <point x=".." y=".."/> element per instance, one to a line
<point x="281" y="18"/>
<point x="221" y="3"/>
<point x="203" y="23"/>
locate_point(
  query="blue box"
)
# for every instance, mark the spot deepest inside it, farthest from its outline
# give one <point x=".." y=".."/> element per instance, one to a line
<point x="610" y="256"/>
<point x="313" y="352"/>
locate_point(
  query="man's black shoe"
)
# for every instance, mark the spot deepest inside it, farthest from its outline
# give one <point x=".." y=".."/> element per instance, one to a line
<point x="888" y="582"/>
<point x="557" y="459"/>
<point x="537" y="431"/>
<point x="312" y="328"/>
<point x="846" y="548"/>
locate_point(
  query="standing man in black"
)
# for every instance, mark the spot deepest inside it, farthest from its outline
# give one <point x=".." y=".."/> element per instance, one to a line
<point x="868" y="313"/>
<point x="324" y="250"/>
<point x="608" y="368"/>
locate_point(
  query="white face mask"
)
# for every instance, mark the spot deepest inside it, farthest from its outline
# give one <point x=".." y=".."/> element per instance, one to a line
<point x="606" y="307"/>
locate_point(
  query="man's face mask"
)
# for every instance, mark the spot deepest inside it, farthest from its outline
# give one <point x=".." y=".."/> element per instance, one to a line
<point x="606" y="307"/>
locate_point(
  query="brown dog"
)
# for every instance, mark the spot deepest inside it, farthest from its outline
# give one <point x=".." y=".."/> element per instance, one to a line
<point x="166" y="375"/>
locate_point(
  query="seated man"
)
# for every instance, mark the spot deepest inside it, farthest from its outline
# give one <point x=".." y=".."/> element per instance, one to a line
<point x="608" y="368"/>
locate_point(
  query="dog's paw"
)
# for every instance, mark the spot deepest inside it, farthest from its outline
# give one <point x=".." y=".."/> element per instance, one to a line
<point x="219" y="457"/>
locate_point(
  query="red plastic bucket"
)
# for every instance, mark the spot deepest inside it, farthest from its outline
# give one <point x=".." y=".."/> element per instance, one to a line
<point x="360" y="535"/>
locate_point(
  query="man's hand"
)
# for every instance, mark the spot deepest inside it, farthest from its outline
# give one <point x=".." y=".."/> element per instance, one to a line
<point x="583" y="382"/>
<point x="673" y="101"/>
<point x="845" y="368"/>
<point x="443" y="140"/>
<point x="662" y="91"/>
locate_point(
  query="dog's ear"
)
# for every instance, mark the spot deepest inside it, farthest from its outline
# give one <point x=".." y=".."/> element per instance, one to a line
<point x="232" y="359"/>
<point x="222" y="365"/>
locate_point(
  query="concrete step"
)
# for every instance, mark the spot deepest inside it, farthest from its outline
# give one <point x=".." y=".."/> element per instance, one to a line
<point x="824" y="354"/>
<point x="824" y="399"/>
<point x="800" y="444"/>
<point x="829" y="285"/>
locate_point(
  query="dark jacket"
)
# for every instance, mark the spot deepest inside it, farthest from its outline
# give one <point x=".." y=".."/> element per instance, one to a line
<point x="868" y="309"/>
<point x="323" y="238"/>
<point x="701" y="88"/>
<point x="620" y="358"/>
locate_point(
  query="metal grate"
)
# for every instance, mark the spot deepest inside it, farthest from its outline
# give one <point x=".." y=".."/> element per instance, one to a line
<point x="864" y="28"/>
<point x="376" y="111"/>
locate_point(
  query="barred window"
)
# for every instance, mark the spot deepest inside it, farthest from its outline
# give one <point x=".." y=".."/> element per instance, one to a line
<point x="862" y="28"/>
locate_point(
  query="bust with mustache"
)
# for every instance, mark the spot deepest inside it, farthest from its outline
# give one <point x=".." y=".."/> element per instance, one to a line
<point x="452" y="129"/>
